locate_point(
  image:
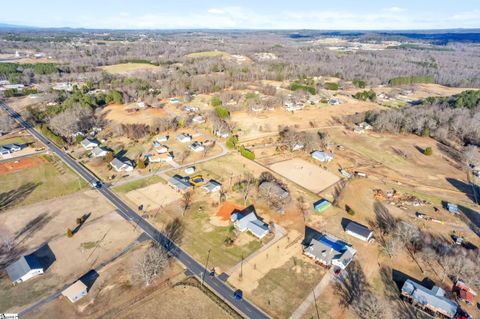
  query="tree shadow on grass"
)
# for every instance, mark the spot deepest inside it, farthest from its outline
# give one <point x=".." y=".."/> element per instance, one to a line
<point x="463" y="187"/>
<point x="15" y="196"/>
<point x="32" y="227"/>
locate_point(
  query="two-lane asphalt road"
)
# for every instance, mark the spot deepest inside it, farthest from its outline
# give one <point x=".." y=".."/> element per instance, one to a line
<point x="216" y="285"/>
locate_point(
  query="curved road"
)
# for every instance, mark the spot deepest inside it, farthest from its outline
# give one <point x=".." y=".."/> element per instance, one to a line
<point x="248" y="309"/>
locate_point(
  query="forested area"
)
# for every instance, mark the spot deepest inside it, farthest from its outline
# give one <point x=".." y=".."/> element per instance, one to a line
<point x="448" y="119"/>
<point x="295" y="59"/>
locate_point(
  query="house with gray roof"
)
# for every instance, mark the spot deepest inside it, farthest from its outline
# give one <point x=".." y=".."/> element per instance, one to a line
<point x="327" y="250"/>
<point x="121" y="165"/>
<point x="99" y="152"/>
<point x="184" y="138"/>
<point x="358" y="231"/>
<point x="212" y="186"/>
<point x="179" y="184"/>
<point x="433" y="299"/>
<point x="24" y="269"/>
<point x="247" y="220"/>
<point x="89" y="144"/>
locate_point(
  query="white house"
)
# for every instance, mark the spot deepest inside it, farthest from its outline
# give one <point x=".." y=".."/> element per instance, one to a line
<point x="293" y="106"/>
<point x="222" y="133"/>
<point x="247" y="220"/>
<point x="121" y="166"/>
<point x="322" y="156"/>
<point x="89" y="144"/>
<point x="197" y="147"/>
<point x="24" y="269"/>
<point x="162" y="139"/>
<point x="99" y="152"/>
<point x="257" y="108"/>
<point x="76" y="291"/>
<point x="199" y="119"/>
<point x="161" y="149"/>
<point x="164" y="157"/>
<point x="212" y="186"/>
<point x="184" y="138"/>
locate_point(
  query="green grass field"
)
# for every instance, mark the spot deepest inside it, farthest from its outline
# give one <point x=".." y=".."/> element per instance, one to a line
<point x="22" y="294"/>
<point x="48" y="180"/>
<point x="200" y="236"/>
<point x="140" y="183"/>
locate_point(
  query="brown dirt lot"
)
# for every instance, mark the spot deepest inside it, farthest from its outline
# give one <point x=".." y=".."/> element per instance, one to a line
<point x="227" y="209"/>
<point x="20" y="164"/>
<point x="154" y="196"/>
<point x="305" y="174"/>
<point x="118" y="113"/>
<point x="103" y="234"/>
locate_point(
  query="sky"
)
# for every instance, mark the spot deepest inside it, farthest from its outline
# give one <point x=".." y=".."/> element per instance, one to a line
<point x="247" y="14"/>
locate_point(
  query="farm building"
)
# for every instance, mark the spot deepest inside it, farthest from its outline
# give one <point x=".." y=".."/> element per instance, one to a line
<point x="358" y="231"/>
<point x="327" y="249"/>
<point x="179" y="184"/>
<point x="322" y="156"/>
<point x="273" y="189"/>
<point x="99" y="152"/>
<point x="76" y="291"/>
<point x="431" y="300"/>
<point x="184" y="138"/>
<point x="89" y="144"/>
<point x="24" y="269"/>
<point x="321" y="205"/>
<point x="121" y="166"/>
<point x="247" y="220"/>
<point x="212" y="186"/>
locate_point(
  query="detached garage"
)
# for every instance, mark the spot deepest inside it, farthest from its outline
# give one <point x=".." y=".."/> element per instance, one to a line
<point x="359" y="231"/>
<point x="76" y="291"/>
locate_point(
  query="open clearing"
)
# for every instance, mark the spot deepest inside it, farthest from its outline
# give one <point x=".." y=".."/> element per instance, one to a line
<point x="153" y="196"/>
<point x="207" y="54"/>
<point x="119" y="113"/>
<point x="41" y="229"/>
<point x="123" y="68"/>
<point x="34" y="179"/>
<point x="305" y="174"/>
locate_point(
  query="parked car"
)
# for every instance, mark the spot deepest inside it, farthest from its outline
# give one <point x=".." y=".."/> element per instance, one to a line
<point x="238" y="294"/>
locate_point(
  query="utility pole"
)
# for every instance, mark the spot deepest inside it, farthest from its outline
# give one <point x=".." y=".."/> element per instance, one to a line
<point x="206" y="267"/>
<point x="241" y="268"/>
<point x="315" y="301"/>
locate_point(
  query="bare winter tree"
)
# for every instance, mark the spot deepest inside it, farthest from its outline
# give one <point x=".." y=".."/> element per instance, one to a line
<point x="151" y="265"/>
<point x="471" y="155"/>
<point x="73" y="120"/>
<point x="187" y="199"/>
<point x="182" y="156"/>
<point x="355" y="294"/>
<point x="385" y="221"/>
<point x="6" y="123"/>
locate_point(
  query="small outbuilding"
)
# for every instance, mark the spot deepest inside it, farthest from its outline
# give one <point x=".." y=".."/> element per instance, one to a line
<point x="321" y="205"/>
<point x="76" y="291"/>
<point x="24" y="269"/>
<point x="359" y="231"/>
